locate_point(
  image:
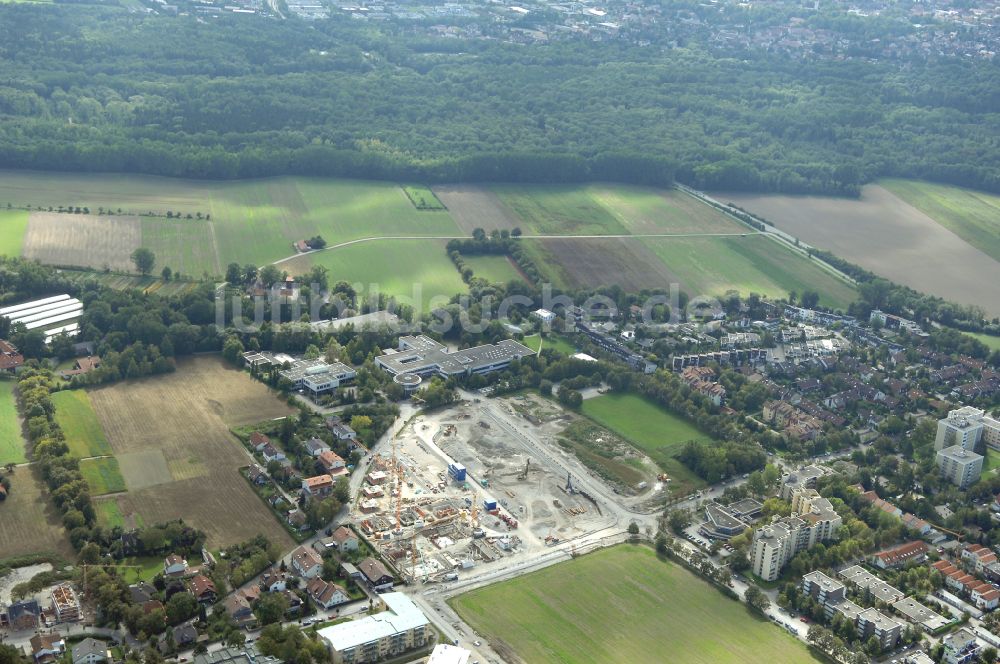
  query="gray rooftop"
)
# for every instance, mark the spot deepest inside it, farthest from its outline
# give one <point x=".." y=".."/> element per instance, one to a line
<point x="920" y="614"/>
<point x="422" y="355"/>
<point x="864" y="579"/>
<point x="246" y="655"/>
<point x="959" y="455"/>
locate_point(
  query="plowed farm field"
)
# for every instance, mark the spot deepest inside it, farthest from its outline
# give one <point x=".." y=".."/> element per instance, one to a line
<point x="171" y="436"/>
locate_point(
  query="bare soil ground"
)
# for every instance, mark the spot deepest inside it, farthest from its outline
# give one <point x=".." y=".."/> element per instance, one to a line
<point x="83" y="240"/>
<point x="29" y="523"/>
<point x="886" y="235"/>
<point x="589" y="263"/>
<point x="179" y="423"/>
<point x="474" y="207"/>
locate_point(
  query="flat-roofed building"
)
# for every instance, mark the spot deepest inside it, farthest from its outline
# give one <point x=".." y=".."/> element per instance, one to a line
<point x="872" y="622"/>
<point x="398" y="629"/>
<point x="865" y="580"/>
<point x="962" y="427"/>
<point x="960" y="647"/>
<point x="422" y="356"/>
<point x="959" y="466"/>
<point x="918" y="614"/>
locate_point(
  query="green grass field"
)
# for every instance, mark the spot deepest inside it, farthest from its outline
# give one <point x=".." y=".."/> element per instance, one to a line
<point x="623" y="605"/>
<point x="972" y="215"/>
<point x="559" y="210"/>
<point x="252" y="221"/>
<point x="643" y="210"/>
<point x="712" y="266"/>
<point x="109" y="514"/>
<point x="103" y="475"/>
<point x="75" y="416"/>
<point x="496" y="269"/>
<point x="992" y="342"/>
<point x="992" y="460"/>
<point x="423" y="198"/>
<point x="13" y="224"/>
<point x="552" y="341"/>
<point x="650" y="428"/>
<point x="11" y="443"/>
<point x="394" y="265"/>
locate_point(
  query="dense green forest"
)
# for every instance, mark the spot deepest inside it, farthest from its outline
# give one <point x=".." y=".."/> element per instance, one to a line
<point x="100" y="89"/>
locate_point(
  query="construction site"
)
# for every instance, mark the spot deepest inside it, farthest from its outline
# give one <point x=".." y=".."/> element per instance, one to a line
<point x="463" y="487"/>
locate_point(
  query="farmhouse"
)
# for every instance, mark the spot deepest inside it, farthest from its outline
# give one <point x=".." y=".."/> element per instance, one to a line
<point x="327" y="595"/>
<point x="306" y="562"/>
<point x="401" y="627"/>
<point x="423" y="356"/>
<point x="83" y="365"/>
<point x="10" y="359"/>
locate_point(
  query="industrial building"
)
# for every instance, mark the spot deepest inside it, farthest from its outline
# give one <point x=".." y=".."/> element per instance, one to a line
<point x="401" y="627"/>
<point x="422" y="356"/>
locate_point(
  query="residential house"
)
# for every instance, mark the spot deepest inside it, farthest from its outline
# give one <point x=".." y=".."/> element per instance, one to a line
<point x="985" y="596"/>
<point x="376" y="575"/>
<point x="184" y="635"/>
<point x="10" y="359"/>
<point x="332" y="463"/>
<point x="258" y="441"/>
<point x="978" y="556"/>
<point x="203" y="589"/>
<point x="256" y="474"/>
<point x="90" y="651"/>
<point x="47" y="647"/>
<point x="306" y="562"/>
<point x="316" y="446"/>
<point x="174" y="565"/>
<point x="340" y="430"/>
<point x="239" y="610"/>
<point x="325" y="594"/>
<point x="141" y="592"/>
<point x="911" y="552"/>
<point x="272" y="453"/>
<point x="960" y="648"/>
<point x="346" y="539"/>
<point x="273" y="581"/>
<point x="319" y="486"/>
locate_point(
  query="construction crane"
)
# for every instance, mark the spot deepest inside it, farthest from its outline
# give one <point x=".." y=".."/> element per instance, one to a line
<point x="395" y="478"/>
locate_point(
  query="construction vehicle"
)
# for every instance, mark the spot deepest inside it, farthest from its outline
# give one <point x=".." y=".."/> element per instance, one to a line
<point x="524" y="473"/>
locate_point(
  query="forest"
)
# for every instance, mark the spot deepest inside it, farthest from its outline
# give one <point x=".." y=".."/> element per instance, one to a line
<point x="99" y="89"/>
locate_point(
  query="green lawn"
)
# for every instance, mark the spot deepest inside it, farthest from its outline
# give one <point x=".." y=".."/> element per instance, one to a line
<point x="992" y="342"/>
<point x="496" y="269"/>
<point x="623" y="605"/>
<point x="712" y="266"/>
<point x="650" y="428"/>
<point x="109" y="514"/>
<point x="972" y="215"/>
<point x="103" y="475"/>
<point x="396" y="266"/>
<point x="553" y="341"/>
<point x="79" y="423"/>
<point x="13" y="224"/>
<point x="11" y="443"/>
<point x="423" y="198"/>
<point x="145" y="568"/>
<point x="559" y="210"/>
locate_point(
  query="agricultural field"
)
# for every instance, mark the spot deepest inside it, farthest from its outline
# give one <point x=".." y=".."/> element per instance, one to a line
<point x="103" y="475"/>
<point x="496" y="269"/>
<point x="885" y="234"/>
<point x="249" y="221"/>
<point x="29" y="522"/>
<point x="423" y="198"/>
<point x="559" y="210"/>
<point x="119" y="281"/>
<point x="622" y="605"/>
<point x="474" y="207"/>
<point x="11" y="443"/>
<point x="170" y="436"/>
<point x="79" y="424"/>
<point x="650" y="428"/>
<point x="972" y="215"/>
<point x="13" y="224"/>
<point x="394" y="266"/>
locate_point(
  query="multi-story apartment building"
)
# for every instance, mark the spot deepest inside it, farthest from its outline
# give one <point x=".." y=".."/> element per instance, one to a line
<point x="959" y="466"/>
<point x="398" y="629"/>
<point x="962" y="427"/>
<point x="775" y="544"/>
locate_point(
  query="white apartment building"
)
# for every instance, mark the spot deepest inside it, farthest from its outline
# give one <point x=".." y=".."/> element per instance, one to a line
<point x="962" y="427"/>
<point x="959" y="466"/>
<point x="775" y="544"/>
<point x="401" y="627"/>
